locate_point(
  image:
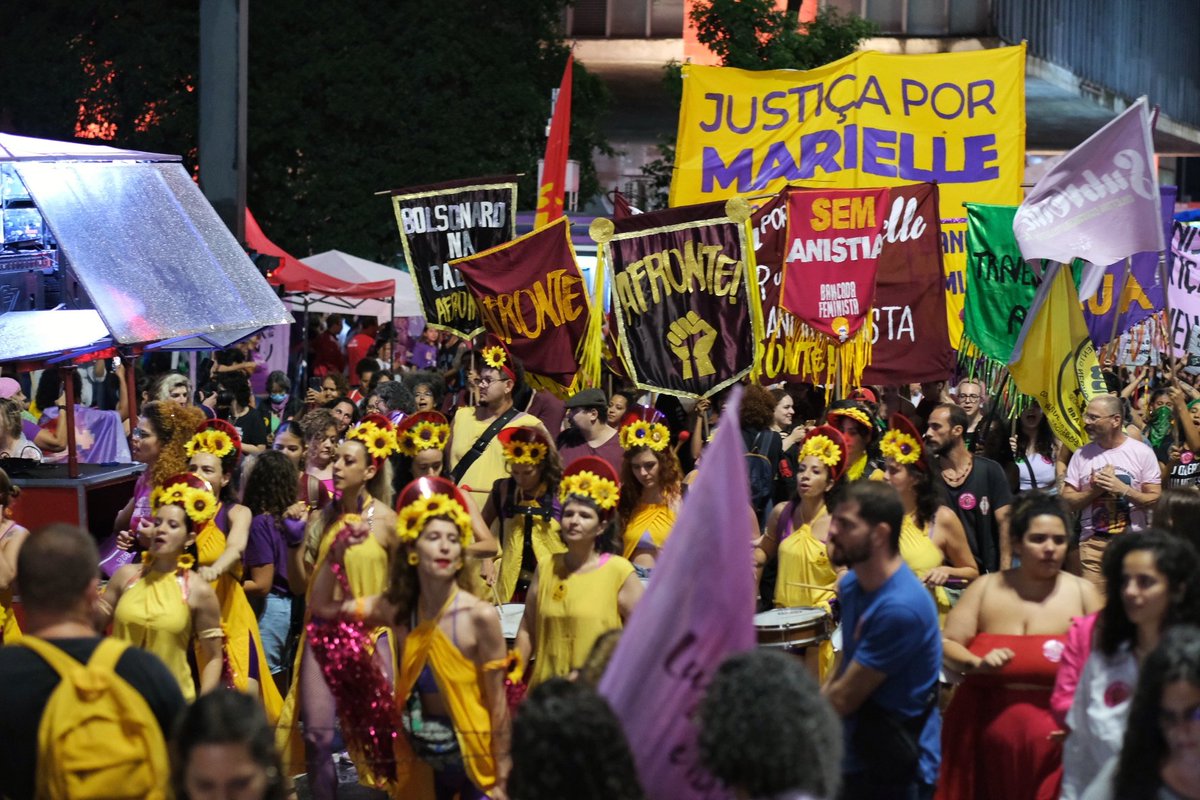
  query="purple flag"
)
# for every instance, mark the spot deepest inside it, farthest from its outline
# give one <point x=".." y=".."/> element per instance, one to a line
<point x="698" y="610"/>
<point x="99" y="437"/>
<point x="1129" y="296"/>
<point x="1099" y="203"/>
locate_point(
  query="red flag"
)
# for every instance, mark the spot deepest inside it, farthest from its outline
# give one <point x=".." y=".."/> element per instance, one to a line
<point x="552" y="192"/>
<point x="621" y="206"/>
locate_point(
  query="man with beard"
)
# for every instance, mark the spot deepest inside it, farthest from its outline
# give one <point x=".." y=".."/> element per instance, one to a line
<point x="1114" y="480"/>
<point x="885" y="689"/>
<point x="976" y="487"/>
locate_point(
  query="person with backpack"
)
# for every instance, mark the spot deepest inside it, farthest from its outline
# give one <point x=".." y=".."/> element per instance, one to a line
<point x="764" y="447"/>
<point x="49" y="727"/>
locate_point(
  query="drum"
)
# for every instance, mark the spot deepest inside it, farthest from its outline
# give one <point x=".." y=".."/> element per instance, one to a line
<point x="510" y="621"/>
<point x="792" y="628"/>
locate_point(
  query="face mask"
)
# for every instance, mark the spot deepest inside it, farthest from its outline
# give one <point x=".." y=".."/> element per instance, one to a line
<point x="278" y="398"/>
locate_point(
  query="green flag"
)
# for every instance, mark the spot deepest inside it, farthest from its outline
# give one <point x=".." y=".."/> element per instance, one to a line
<point x="1000" y="285"/>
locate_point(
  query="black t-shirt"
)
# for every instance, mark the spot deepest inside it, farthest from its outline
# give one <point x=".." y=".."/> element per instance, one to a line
<point x="976" y="501"/>
<point x="26" y="683"/>
<point x="251" y="428"/>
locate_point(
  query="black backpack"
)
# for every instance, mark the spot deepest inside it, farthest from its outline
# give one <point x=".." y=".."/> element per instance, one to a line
<point x="762" y="477"/>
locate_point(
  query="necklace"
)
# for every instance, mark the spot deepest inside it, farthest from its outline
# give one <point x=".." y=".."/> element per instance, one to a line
<point x="955" y="477"/>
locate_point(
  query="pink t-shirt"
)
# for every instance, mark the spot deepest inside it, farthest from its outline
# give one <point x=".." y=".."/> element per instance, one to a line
<point x="1135" y="466"/>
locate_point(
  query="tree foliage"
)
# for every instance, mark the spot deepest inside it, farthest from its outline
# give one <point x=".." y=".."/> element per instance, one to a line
<point x="754" y="34"/>
<point x="345" y="99"/>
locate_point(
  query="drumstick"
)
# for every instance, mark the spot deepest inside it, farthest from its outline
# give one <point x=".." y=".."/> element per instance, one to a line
<point x="812" y="586"/>
<point x="495" y="594"/>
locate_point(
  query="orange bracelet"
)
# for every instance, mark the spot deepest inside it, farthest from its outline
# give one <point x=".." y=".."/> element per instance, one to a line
<point x="360" y="605"/>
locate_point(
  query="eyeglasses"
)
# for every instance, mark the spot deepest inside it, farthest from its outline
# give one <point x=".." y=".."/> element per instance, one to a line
<point x="970" y="396"/>
<point x="483" y="383"/>
<point x="1173" y="719"/>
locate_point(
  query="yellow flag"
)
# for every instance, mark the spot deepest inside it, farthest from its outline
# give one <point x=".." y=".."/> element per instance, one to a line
<point x="1054" y="360"/>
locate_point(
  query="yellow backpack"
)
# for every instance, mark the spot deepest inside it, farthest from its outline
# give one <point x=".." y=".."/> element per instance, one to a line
<point x="98" y="737"/>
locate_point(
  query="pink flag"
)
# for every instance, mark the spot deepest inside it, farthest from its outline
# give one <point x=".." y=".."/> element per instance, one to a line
<point x="1099" y="203"/>
<point x="698" y="610"/>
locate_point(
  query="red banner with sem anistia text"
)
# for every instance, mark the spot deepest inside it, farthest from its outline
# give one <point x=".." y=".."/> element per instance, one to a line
<point x="910" y="340"/>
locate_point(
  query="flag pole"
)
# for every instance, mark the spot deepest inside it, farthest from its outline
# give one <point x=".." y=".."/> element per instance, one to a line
<point x="1165" y="277"/>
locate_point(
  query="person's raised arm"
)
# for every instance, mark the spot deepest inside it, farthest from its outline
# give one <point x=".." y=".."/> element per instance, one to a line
<point x="235" y="544"/>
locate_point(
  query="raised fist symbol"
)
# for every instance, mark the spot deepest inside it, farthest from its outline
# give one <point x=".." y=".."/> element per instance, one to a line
<point x="679" y="338"/>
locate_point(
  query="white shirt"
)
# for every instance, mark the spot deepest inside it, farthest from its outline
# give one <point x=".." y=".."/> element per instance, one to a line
<point x="1097" y="717"/>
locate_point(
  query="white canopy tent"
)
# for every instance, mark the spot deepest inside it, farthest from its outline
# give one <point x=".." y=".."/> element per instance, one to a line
<point x="353" y="269"/>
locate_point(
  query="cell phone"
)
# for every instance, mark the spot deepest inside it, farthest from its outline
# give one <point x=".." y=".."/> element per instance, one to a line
<point x="116" y="362"/>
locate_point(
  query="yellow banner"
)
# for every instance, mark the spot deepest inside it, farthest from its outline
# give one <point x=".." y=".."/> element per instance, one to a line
<point x="868" y="120"/>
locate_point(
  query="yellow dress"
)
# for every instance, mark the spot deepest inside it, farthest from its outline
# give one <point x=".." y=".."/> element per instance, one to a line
<point x="152" y="614"/>
<point x="804" y="559"/>
<point x="489" y="467"/>
<point x="460" y="684"/>
<point x="573" y="611"/>
<point x="366" y="566"/>
<point x="649" y="520"/>
<point x="922" y="555"/>
<point x="240" y="625"/>
<point x="10" y="630"/>
<point x="546" y="542"/>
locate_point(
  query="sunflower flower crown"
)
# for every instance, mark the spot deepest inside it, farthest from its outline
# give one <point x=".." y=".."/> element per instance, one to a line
<point x="823" y="449"/>
<point x="379" y="441"/>
<point x="212" y="441"/>
<point x="525" y="452"/>
<point x="494" y="356"/>
<point x="601" y="491"/>
<point x="645" y="434"/>
<point x="200" y="505"/>
<point x="413" y="518"/>
<point x="900" y="447"/>
<point x="423" y="436"/>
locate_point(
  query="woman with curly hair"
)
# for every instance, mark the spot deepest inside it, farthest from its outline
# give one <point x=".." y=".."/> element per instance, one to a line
<point x="932" y="540"/>
<point x="215" y="450"/>
<point x="1160" y="757"/>
<point x="224" y="747"/>
<point x="277" y="523"/>
<point x="362" y="478"/>
<point x="428" y="389"/>
<point x="454" y="740"/>
<point x="527" y="508"/>
<point x="577" y="595"/>
<point x="321" y="439"/>
<point x="158" y="440"/>
<point x="1153" y="582"/>
<point x="757" y="417"/>
<point x="783" y="417"/>
<point x="651" y="490"/>
<point x="567" y="742"/>
<point x="160" y="604"/>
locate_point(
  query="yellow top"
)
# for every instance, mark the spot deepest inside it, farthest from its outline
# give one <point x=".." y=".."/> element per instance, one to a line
<point x="490" y="466"/>
<point x="152" y="614"/>
<point x="804" y="559"/>
<point x="460" y="684"/>
<point x="10" y="630"/>
<point x="366" y="566"/>
<point x="649" y="520"/>
<point x="243" y="643"/>
<point x="546" y="542"/>
<point x="922" y="555"/>
<point x="572" y="611"/>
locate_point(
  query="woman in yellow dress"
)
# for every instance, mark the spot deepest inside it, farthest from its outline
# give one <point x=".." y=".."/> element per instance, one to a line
<point x="362" y="478"/>
<point x="579" y="594"/>
<point x="932" y="540"/>
<point x="797" y="531"/>
<point x="213" y="453"/>
<point x="527" y="508"/>
<point x="854" y="421"/>
<point x="651" y="490"/>
<point x="455" y="732"/>
<point x="11" y="536"/>
<point x="160" y="604"/>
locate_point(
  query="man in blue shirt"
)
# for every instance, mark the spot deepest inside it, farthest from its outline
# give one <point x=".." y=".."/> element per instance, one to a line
<point x="886" y="686"/>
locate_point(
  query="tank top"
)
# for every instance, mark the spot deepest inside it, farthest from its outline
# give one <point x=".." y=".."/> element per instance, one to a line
<point x="530" y="533"/>
<point x="802" y="559"/>
<point x="921" y="554"/>
<point x="10" y="630"/>
<point x="153" y="614"/>
<point x="650" y="524"/>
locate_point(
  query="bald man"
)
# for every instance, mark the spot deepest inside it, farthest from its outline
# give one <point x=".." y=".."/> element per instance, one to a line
<point x="1114" y="481"/>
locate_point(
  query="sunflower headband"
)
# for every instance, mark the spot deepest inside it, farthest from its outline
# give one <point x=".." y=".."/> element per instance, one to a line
<point x="213" y="441"/>
<point x="517" y="452"/>
<point x="413" y="518"/>
<point x="823" y="449"/>
<point x="423" y="436"/>
<point x="496" y="358"/>
<point x="856" y="414"/>
<point x="200" y="505"/>
<point x="379" y="441"/>
<point x="601" y="491"/>
<point x="645" y="434"/>
<point x="900" y="447"/>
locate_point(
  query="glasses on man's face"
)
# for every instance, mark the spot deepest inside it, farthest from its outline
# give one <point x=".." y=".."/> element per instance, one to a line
<point x="970" y="397"/>
<point x="1169" y="719"/>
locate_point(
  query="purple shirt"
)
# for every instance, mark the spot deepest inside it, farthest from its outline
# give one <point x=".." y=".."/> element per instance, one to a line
<point x="266" y="546"/>
<point x="424" y="355"/>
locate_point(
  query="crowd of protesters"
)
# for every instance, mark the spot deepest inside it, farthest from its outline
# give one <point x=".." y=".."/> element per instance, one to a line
<point x="412" y="567"/>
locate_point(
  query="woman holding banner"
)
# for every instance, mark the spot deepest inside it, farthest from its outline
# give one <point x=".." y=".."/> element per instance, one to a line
<point x="580" y="594"/>
<point x="651" y="489"/>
